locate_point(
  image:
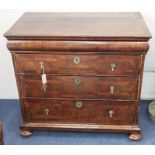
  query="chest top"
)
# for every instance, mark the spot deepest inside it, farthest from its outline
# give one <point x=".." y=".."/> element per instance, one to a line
<point x="80" y="26"/>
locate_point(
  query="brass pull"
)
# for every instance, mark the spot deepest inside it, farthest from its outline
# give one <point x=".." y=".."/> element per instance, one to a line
<point x="77" y="80"/>
<point x="78" y="104"/>
<point x="44" y="87"/>
<point x="43" y="76"/>
<point x="112" y="88"/>
<point x="113" y="66"/>
<point x="42" y="67"/>
<point x="111" y="112"/>
<point x="76" y="60"/>
<point x="46" y="111"/>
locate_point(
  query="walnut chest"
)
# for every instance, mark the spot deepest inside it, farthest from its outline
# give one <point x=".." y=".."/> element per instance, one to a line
<point x="79" y="71"/>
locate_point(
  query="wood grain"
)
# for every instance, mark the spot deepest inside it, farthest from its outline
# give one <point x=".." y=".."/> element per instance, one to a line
<point x="88" y="64"/>
<point x="89" y="87"/>
<point x="88" y="127"/>
<point x="98" y="40"/>
<point x="91" y="111"/>
<point x="80" y="26"/>
<point x="78" y="46"/>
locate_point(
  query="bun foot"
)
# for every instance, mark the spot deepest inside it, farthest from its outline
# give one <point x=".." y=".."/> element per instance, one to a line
<point x="135" y="136"/>
<point x="25" y="133"/>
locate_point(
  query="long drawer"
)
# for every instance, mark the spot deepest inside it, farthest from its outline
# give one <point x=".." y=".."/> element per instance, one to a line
<point x="83" y="87"/>
<point x="78" y="64"/>
<point x="78" y="111"/>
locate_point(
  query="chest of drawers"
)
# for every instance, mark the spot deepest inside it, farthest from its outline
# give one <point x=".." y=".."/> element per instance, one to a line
<point x="79" y="71"/>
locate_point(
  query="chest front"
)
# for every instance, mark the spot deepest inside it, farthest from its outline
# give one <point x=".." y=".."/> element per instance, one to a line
<point x="79" y="71"/>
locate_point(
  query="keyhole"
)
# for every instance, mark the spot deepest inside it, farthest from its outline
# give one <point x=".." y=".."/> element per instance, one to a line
<point x="76" y="60"/>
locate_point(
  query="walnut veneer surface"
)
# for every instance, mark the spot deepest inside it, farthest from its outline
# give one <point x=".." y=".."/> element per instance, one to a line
<point x="79" y="71"/>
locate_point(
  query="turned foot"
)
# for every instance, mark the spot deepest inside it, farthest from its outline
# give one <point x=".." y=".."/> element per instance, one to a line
<point x="25" y="133"/>
<point x="136" y="135"/>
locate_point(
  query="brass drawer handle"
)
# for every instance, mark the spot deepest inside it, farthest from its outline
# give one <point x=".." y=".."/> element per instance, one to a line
<point x="43" y="76"/>
<point x="113" y="66"/>
<point x="77" y="80"/>
<point x="78" y="104"/>
<point x="112" y="88"/>
<point x="46" y="111"/>
<point x="111" y="112"/>
<point x="76" y="60"/>
<point x="42" y="67"/>
<point x="44" y="87"/>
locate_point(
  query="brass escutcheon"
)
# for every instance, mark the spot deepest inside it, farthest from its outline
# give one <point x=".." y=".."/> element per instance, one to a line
<point x="76" y="60"/>
<point x="78" y="104"/>
<point x="77" y="80"/>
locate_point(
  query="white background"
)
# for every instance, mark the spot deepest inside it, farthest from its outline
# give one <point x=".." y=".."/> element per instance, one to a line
<point x="15" y="8"/>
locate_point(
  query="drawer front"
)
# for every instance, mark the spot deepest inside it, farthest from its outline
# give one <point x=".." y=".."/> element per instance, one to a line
<point x="78" y="64"/>
<point x="79" y="87"/>
<point x="58" y="110"/>
<point x="73" y="111"/>
<point x="117" y="113"/>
